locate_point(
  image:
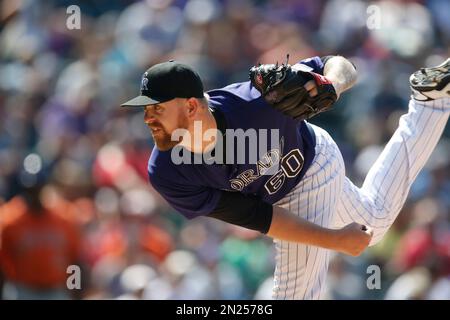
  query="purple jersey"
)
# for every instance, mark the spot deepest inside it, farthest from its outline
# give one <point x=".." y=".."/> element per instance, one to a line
<point x="195" y="189"/>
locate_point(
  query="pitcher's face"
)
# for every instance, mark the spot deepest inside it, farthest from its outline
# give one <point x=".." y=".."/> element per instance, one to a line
<point x="164" y="118"/>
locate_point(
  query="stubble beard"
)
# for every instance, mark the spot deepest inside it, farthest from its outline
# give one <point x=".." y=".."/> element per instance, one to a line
<point x="163" y="139"/>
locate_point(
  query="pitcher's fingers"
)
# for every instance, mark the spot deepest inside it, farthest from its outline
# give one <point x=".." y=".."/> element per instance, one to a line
<point x="311" y="87"/>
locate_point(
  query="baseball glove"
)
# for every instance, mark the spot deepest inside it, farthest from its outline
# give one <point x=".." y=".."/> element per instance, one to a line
<point x="282" y="87"/>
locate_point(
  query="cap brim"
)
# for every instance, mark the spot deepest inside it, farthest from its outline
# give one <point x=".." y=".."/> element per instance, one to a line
<point x="140" y="101"/>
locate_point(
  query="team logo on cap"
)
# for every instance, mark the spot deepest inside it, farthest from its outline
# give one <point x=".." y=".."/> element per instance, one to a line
<point x="144" y="82"/>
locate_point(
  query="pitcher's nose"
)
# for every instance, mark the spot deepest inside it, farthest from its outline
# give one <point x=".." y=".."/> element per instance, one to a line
<point x="149" y="117"/>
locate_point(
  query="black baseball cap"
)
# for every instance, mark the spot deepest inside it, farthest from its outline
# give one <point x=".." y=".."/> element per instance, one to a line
<point x="166" y="81"/>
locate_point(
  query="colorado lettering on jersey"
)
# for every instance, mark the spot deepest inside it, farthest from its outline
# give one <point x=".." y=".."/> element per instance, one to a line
<point x="276" y="165"/>
<point x="269" y="161"/>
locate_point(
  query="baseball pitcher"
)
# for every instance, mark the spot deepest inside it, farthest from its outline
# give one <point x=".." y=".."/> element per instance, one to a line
<point x="246" y="154"/>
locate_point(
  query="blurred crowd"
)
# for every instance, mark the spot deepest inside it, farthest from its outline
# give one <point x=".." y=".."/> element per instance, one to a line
<point x="64" y="138"/>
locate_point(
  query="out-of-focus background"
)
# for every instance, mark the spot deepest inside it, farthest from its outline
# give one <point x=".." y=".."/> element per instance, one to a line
<point x="64" y="138"/>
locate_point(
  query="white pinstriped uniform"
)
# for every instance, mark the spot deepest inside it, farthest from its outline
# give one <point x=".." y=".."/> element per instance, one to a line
<point x="328" y="198"/>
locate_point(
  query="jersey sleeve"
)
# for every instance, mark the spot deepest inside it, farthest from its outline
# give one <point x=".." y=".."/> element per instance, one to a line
<point x="190" y="201"/>
<point x="316" y="63"/>
<point x="247" y="211"/>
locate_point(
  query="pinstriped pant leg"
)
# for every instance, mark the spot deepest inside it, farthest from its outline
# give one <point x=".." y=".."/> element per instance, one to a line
<point x="385" y="189"/>
<point x="301" y="270"/>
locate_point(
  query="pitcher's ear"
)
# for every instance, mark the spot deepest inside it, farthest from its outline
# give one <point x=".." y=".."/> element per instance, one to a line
<point x="192" y="106"/>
